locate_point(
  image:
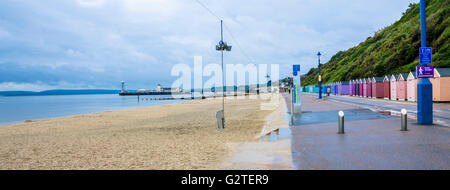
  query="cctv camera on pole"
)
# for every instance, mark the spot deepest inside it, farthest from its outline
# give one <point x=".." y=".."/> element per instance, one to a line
<point x="222" y="46"/>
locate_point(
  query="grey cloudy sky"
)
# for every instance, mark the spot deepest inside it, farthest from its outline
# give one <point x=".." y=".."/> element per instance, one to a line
<point x="48" y="44"/>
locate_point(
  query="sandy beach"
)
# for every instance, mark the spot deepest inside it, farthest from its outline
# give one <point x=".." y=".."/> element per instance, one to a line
<point x="174" y="136"/>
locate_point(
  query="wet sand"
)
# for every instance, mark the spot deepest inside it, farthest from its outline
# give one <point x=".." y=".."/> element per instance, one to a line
<point x="174" y="136"/>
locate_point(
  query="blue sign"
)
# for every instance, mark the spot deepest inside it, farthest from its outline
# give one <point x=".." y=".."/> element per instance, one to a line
<point x="296" y="69"/>
<point x="425" y="71"/>
<point x="425" y="55"/>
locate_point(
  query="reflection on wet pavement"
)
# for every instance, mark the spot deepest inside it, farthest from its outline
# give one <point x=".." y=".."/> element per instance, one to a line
<point x="332" y="116"/>
<point x="279" y="134"/>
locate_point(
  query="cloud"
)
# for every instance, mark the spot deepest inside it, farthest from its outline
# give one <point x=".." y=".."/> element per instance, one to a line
<point x="91" y="3"/>
<point x="102" y="42"/>
<point x="4" y="33"/>
<point x="41" y="86"/>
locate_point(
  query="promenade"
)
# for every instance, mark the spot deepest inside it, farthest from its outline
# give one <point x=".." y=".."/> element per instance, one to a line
<point x="372" y="138"/>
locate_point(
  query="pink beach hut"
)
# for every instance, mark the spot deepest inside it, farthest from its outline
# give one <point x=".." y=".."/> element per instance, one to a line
<point x="369" y="87"/>
<point x="361" y="88"/>
<point x="393" y="82"/>
<point x="411" y="86"/>
<point x="402" y="86"/>
<point x="377" y="87"/>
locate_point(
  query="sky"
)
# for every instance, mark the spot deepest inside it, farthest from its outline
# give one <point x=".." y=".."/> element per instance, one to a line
<point x="96" y="44"/>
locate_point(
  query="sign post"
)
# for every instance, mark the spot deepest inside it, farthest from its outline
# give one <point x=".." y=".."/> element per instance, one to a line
<point x="424" y="87"/>
<point x="296" y="90"/>
<point x="320" y="78"/>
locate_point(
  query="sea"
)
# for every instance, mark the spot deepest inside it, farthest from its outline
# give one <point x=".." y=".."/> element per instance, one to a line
<point x="17" y="109"/>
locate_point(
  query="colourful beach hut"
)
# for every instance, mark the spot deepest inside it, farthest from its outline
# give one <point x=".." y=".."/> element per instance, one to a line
<point x="364" y="81"/>
<point x="350" y="87"/>
<point x="411" y="86"/>
<point x="339" y="88"/>
<point x="332" y="88"/>
<point x="354" y="88"/>
<point x="369" y="87"/>
<point x="387" y="87"/>
<point x="361" y="88"/>
<point x="402" y="86"/>
<point x="335" y="88"/>
<point x="393" y="81"/>
<point x="345" y="88"/>
<point x="441" y="85"/>
<point x="316" y="89"/>
<point x="377" y="87"/>
<point x="357" y="87"/>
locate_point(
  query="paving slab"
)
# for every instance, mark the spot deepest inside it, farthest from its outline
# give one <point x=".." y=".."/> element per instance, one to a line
<point x="372" y="139"/>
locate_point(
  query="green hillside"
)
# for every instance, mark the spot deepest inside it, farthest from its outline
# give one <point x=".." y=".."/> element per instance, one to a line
<point x="394" y="49"/>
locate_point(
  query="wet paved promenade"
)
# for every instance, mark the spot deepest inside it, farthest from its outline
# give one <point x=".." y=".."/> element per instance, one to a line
<point x="373" y="139"/>
<point x="441" y="111"/>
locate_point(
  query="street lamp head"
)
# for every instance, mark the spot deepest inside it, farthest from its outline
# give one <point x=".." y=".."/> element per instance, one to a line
<point x="318" y="54"/>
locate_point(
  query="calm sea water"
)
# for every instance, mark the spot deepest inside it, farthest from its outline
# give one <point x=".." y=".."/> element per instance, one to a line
<point x="20" y="108"/>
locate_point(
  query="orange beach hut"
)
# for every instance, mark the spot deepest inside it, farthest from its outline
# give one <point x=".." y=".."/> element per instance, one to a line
<point x="441" y="85"/>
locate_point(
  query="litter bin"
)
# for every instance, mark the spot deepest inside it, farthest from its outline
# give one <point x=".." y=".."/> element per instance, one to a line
<point x="220" y="119"/>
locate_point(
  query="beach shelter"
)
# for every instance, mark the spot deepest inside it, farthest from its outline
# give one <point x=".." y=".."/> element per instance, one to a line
<point x="441" y="85"/>
<point x="387" y="87"/>
<point x="402" y="86"/>
<point x="364" y="81"/>
<point x="377" y="87"/>
<point x="369" y="87"/>
<point x="361" y="88"/>
<point x="411" y="86"/>
<point x="393" y="81"/>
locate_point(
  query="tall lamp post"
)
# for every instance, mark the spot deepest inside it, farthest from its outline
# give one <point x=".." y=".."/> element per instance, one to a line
<point x="424" y="87"/>
<point x="222" y="47"/>
<point x="320" y="78"/>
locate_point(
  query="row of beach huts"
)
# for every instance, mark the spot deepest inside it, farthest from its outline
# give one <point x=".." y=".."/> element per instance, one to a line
<point x="401" y="87"/>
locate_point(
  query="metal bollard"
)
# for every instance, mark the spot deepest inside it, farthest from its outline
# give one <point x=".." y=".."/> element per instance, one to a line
<point x="341" y="122"/>
<point x="404" y="120"/>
